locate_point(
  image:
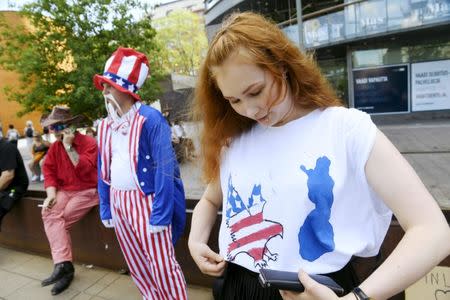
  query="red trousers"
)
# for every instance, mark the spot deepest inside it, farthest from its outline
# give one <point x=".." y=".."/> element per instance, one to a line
<point x="70" y="207"/>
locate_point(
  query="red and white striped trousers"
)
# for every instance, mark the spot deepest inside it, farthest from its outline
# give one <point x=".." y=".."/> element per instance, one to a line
<point x="150" y="256"/>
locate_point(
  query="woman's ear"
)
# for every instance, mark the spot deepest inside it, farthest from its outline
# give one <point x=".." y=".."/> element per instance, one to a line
<point x="283" y="70"/>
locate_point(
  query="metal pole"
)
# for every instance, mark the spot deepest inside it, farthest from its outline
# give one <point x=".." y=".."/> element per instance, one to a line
<point x="298" y="4"/>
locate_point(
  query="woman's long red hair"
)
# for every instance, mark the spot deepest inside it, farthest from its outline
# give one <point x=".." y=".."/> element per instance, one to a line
<point x="269" y="49"/>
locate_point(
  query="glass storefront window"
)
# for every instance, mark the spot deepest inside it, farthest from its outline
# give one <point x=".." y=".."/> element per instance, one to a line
<point x="335" y="70"/>
<point x="368" y="58"/>
<point x="379" y="57"/>
<point x="371" y="17"/>
<point x="291" y="32"/>
<point x="337" y="25"/>
<point x="433" y="50"/>
<point x="399" y="14"/>
<point x="350" y="21"/>
<point x="407" y="13"/>
<point x="316" y="31"/>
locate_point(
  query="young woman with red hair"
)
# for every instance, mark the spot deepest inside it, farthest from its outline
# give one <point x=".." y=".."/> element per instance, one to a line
<point x="304" y="183"/>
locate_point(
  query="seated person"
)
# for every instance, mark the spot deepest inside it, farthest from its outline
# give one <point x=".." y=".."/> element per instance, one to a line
<point x="13" y="178"/>
<point x="38" y="150"/>
<point x="12" y="135"/>
<point x="70" y="170"/>
<point x="91" y="132"/>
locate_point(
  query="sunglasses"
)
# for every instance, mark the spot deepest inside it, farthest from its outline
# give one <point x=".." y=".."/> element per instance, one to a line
<point x="57" y="127"/>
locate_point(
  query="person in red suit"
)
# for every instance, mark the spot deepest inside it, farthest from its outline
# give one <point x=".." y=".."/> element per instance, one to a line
<point x="70" y="171"/>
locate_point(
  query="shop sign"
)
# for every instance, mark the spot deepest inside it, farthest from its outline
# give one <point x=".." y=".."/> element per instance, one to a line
<point x="430" y="10"/>
<point x="430" y="85"/>
<point x="381" y="89"/>
<point x="406" y="13"/>
<point x="372" y="16"/>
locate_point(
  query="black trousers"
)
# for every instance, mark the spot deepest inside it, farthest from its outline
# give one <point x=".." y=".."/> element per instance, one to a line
<point x="239" y="283"/>
<point x="7" y="202"/>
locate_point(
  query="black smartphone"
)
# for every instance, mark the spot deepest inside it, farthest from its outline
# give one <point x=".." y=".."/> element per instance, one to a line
<point x="283" y="280"/>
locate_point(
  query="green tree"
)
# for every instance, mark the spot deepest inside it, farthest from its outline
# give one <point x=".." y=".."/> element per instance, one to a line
<point x="67" y="43"/>
<point x="182" y="35"/>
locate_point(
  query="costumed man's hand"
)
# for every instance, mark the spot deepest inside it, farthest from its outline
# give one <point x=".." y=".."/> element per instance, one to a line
<point x="108" y="223"/>
<point x="49" y="202"/>
<point x="208" y="261"/>
<point x="313" y="290"/>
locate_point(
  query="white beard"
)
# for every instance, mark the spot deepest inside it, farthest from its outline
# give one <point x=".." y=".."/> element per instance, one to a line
<point x="115" y="114"/>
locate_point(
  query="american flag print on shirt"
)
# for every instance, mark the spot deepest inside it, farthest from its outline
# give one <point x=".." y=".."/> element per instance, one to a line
<point x="250" y="232"/>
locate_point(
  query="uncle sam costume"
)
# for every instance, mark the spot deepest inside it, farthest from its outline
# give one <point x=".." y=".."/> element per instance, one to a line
<point x="139" y="184"/>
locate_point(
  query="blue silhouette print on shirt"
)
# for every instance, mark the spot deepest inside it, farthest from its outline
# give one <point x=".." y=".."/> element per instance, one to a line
<point x="316" y="236"/>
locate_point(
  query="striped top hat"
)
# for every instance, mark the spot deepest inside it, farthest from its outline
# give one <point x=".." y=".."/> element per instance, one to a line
<point x="126" y="70"/>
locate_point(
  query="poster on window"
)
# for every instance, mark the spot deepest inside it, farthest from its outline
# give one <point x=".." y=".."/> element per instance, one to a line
<point x="381" y="89"/>
<point x="430" y="88"/>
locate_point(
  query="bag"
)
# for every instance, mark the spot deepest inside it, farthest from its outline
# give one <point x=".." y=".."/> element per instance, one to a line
<point x="29" y="132"/>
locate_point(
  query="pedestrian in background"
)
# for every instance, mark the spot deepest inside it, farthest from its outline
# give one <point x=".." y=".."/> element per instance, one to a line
<point x="91" y="132"/>
<point x="304" y="183"/>
<point x="140" y="189"/>
<point x="12" y="135"/>
<point x="38" y="151"/>
<point x="177" y="142"/>
<point x="70" y="171"/>
<point x="28" y="133"/>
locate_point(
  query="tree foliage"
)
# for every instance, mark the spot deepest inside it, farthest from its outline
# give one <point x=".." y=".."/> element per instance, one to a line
<point x="182" y="35"/>
<point x="67" y="43"/>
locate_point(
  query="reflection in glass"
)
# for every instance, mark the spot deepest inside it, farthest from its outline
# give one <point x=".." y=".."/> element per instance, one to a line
<point x="432" y="50"/>
<point x="371" y="17"/>
<point x="368" y="58"/>
<point x="335" y="70"/>
<point x="316" y="31"/>
<point x="337" y="24"/>
<point x="350" y="20"/>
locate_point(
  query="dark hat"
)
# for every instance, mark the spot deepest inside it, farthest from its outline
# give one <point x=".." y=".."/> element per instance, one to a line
<point x="60" y="115"/>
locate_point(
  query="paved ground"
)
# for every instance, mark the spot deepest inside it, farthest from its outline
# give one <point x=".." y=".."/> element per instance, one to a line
<point x="426" y="145"/>
<point x="21" y="275"/>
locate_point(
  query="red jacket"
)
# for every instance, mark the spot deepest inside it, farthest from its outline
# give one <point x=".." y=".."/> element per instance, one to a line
<point x="60" y="172"/>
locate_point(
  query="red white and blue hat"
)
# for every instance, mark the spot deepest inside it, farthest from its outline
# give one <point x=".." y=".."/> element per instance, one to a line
<point x="126" y="70"/>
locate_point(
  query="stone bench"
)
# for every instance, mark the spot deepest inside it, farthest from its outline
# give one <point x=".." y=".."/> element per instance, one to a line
<point x="92" y="243"/>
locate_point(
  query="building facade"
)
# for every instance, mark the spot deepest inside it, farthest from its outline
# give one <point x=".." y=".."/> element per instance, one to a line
<point x="381" y="56"/>
<point x="161" y="10"/>
<point x="10" y="79"/>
